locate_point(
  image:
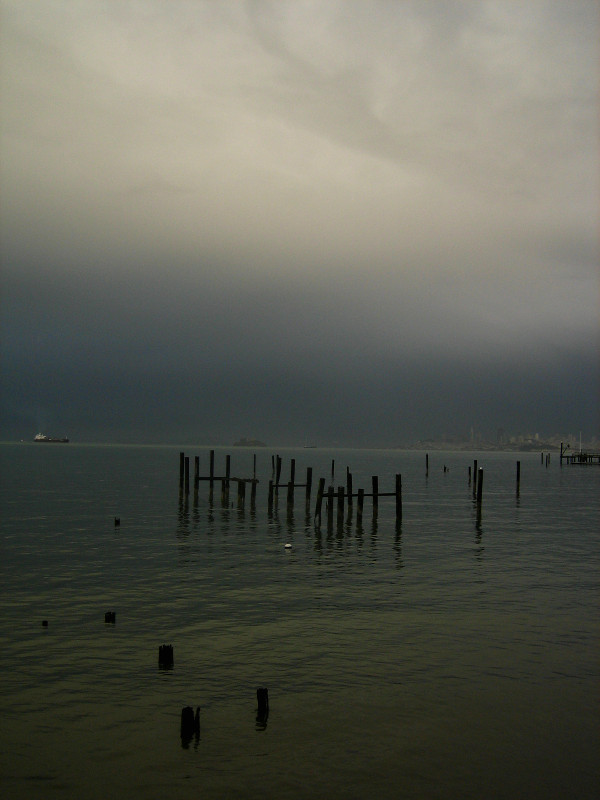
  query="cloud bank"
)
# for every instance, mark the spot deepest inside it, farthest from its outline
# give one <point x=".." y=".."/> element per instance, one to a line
<point x="362" y="222"/>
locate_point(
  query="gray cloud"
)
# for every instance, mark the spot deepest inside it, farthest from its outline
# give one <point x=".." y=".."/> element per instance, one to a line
<point x="328" y="207"/>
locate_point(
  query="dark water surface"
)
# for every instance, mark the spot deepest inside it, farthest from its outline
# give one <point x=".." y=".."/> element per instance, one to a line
<point x="451" y="656"/>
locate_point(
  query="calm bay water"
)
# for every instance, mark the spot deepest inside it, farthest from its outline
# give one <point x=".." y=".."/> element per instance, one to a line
<point x="451" y="656"/>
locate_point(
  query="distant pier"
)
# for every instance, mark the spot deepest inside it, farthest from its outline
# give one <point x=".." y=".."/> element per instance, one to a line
<point x="577" y="456"/>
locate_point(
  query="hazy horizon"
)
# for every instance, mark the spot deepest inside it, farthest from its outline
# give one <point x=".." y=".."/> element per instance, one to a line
<point x="357" y="222"/>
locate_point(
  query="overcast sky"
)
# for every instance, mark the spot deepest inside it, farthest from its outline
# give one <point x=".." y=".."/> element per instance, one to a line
<point x="363" y="222"/>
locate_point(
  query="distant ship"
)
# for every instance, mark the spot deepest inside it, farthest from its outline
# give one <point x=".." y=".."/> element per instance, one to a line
<point x="41" y="437"/>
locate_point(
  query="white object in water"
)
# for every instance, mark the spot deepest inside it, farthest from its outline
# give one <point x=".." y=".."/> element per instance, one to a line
<point x="288" y="546"/>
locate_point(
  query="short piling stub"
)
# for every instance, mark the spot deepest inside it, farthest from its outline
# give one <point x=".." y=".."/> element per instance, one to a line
<point x="190" y="724"/>
<point x="117" y="522"/>
<point x="262" y="711"/>
<point x="110" y="617"/>
<point x="165" y="656"/>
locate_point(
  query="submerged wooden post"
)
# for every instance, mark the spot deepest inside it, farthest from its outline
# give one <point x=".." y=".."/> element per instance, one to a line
<point x="181" y="469"/>
<point x="187" y="474"/>
<point x="359" y="506"/>
<point x="196" y="472"/>
<point x="518" y="476"/>
<point x="375" y="485"/>
<point x="291" y="483"/>
<point x="398" y="497"/>
<point x="241" y="493"/>
<point x="253" y="493"/>
<point x="277" y="474"/>
<point x="165" y="655"/>
<point x="475" y="478"/>
<point x="330" y="508"/>
<point x="270" y="498"/>
<point x="479" y="486"/>
<point x="319" y="503"/>
<point x="308" y="484"/>
<point x="349" y="487"/>
<point x="426" y="464"/>
<point x="262" y="711"/>
<point x="340" y="506"/>
<point x="332" y="469"/>
<point x="469" y="476"/>
<point x="227" y="470"/>
<point x="212" y="470"/>
<point x="190" y="723"/>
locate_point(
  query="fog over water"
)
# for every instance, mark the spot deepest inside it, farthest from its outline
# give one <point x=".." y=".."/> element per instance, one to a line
<point x="353" y="222"/>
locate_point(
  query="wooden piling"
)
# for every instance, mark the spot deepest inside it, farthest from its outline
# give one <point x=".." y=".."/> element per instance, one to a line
<point x="262" y="698"/>
<point x="190" y="724"/>
<point x="270" y="498"/>
<point x="253" y="492"/>
<point x="469" y="476"/>
<point x="426" y="464"/>
<point x="165" y="655"/>
<point x="241" y="493"/>
<point x="181" y="470"/>
<point x="227" y="470"/>
<point x="398" y="497"/>
<point x="308" y="484"/>
<point x="319" y="502"/>
<point x="518" y="477"/>
<point x="375" y="485"/>
<point x="479" y="486"/>
<point x="277" y="474"/>
<point x="359" y="506"/>
<point x="212" y="471"/>
<point x="475" y="478"/>
<point x="187" y="474"/>
<point x="330" y="508"/>
<point x="291" y="483"/>
<point x="349" y="487"/>
<point x="340" y="506"/>
<point x="332" y="469"/>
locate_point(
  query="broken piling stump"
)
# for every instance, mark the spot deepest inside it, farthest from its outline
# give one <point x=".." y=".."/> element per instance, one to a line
<point x="190" y="724"/>
<point x="165" y="655"/>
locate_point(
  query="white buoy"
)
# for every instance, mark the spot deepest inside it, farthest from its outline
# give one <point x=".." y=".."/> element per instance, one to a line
<point x="288" y="546"/>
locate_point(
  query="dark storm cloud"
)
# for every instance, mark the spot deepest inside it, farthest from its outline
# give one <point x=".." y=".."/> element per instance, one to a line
<point x="369" y="220"/>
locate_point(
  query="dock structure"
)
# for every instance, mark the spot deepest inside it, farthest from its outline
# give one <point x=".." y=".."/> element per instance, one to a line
<point x="226" y="479"/>
<point x="340" y="496"/>
<point x="570" y="456"/>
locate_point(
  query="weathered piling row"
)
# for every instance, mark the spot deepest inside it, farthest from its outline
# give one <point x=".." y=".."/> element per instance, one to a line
<point x="291" y="485"/>
<point x="339" y="500"/>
